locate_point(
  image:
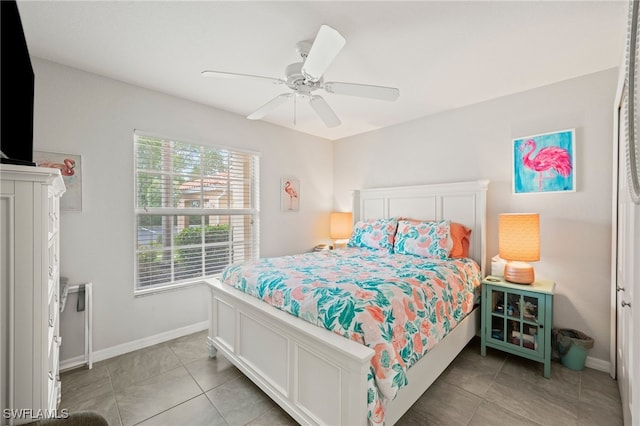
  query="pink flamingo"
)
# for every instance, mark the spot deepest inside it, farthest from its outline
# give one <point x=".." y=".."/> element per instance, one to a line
<point x="291" y="192"/>
<point x="548" y="159"/>
<point x="66" y="169"/>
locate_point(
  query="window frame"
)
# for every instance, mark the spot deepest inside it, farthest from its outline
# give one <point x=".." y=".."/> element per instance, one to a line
<point x="252" y="212"/>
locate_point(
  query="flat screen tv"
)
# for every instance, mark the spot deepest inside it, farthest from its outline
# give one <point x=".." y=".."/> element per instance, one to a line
<point x="16" y="91"/>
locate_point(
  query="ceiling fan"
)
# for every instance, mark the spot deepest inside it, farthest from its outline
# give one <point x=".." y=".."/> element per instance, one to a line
<point x="306" y="77"/>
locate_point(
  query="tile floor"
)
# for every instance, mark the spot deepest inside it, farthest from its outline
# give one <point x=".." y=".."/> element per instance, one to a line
<point x="175" y="383"/>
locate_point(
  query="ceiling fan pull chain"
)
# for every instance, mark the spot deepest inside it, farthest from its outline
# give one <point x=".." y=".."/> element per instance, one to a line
<point x="295" y="103"/>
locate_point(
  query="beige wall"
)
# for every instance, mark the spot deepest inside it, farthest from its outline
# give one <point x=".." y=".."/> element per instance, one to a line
<point x="82" y="113"/>
<point x="475" y="143"/>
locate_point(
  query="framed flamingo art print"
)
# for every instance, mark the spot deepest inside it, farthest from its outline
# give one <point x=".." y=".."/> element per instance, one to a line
<point x="290" y="194"/>
<point x="544" y="163"/>
<point x="70" y="166"/>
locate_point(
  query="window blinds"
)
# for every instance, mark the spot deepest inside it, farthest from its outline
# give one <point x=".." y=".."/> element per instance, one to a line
<point x="196" y="210"/>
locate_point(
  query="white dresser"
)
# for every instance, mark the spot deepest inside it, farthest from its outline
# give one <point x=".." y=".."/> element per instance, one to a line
<point x="29" y="296"/>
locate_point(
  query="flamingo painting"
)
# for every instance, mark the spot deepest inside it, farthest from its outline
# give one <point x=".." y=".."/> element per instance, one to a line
<point x="70" y="166"/>
<point x="290" y="190"/>
<point x="66" y="167"/>
<point x="544" y="163"/>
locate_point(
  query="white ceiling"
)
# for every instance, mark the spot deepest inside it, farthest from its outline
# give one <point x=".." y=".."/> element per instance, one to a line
<point x="441" y="55"/>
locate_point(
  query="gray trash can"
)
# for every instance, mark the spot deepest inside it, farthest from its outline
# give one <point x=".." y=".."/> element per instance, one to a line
<point x="572" y="346"/>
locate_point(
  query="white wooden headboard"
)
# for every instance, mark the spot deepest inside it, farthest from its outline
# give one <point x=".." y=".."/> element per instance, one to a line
<point x="462" y="202"/>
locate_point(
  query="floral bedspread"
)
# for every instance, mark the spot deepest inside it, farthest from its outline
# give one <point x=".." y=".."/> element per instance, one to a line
<point x="398" y="305"/>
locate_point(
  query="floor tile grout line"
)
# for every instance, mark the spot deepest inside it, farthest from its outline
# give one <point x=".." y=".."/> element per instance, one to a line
<point x="580" y="390"/>
<point x="184" y="364"/>
<point x="165" y="410"/>
<point x="218" y="409"/>
<point x="504" y="362"/>
<point x="475" y="411"/>
<point x="155" y="376"/>
<point x="115" y="398"/>
<point x="181" y="364"/>
<point x="200" y="387"/>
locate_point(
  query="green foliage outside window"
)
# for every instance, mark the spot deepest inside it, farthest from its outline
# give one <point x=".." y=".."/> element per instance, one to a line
<point x="187" y="260"/>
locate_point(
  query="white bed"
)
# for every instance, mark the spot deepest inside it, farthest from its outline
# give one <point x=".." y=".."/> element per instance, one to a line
<point x="315" y="375"/>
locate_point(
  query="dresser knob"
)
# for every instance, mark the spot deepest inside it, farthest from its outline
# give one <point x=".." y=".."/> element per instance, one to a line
<point x="625" y="304"/>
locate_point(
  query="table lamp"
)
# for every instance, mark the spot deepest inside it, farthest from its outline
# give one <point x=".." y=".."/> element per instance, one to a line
<point x="519" y="243"/>
<point x="340" y="227"/>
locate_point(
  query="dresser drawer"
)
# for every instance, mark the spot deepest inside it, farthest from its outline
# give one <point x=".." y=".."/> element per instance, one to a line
<point x="53" y="321"/>
<point x="53" y="207"/>
<point x="53" y="378"/>
<point x="53" y="260"/>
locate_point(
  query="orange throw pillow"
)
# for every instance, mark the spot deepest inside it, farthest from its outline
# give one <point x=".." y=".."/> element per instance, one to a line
<point x="460" y="236"/>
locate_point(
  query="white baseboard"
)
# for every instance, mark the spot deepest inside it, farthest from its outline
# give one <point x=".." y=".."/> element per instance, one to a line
<point x="68" y="364"/>
<point x="124" y="348"/>
<point x="597" y="364"/>
<point x="101" y="355"/>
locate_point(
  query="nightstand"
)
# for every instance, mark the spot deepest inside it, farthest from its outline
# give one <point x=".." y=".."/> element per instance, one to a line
<point x="518" y="318"/>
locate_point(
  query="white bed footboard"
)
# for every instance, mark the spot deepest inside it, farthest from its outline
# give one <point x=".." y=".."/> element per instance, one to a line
<point x="316" y="376"/>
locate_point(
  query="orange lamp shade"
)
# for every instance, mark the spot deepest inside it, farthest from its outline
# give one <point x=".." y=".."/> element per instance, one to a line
<point x="519" y="236"/>
<point x="340" y="225"/>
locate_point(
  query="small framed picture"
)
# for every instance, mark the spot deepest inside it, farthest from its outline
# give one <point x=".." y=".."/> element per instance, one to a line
<point x="290" y="194"/>
<point x="544" y="163"/>
<point x="70" y="166"/>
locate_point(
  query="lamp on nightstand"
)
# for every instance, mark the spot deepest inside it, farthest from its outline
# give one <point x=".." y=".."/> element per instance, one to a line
<point x="340" y="227"/>
<point x="519" y="243"/>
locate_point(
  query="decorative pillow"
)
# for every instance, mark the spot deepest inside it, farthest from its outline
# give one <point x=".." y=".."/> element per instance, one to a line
<point x="460" y="235"/>
<point x="426" y="239"/>
<point x="376" y="234"/>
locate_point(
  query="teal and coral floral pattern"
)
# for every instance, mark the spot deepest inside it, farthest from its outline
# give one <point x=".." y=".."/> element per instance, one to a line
<point x="398" y="305"/>
<point x="426" y="239"/>
<point x="376" y="234"/>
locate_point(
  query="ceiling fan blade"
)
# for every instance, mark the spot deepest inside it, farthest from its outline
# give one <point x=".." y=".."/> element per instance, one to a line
<point x="324" y="111"/>
<point x="223" y="74"/>
<point x="363" y="90"/>
<point x="269" y="106"/>
<point x="324" y="49"/>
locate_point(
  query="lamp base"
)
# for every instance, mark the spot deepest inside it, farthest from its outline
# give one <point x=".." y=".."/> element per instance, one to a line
<point x="519" y="273"/>
<point x="340" y="244"/>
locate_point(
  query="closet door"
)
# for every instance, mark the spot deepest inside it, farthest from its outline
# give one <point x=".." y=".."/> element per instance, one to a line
<point x="6" y="262"/>
<point x="626" y="250"/>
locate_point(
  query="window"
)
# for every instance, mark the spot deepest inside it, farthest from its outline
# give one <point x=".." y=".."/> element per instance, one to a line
<point x="196" y="211"/>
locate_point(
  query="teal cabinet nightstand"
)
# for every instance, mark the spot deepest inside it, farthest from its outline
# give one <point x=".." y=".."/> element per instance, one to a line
<point x="518" y="318"/>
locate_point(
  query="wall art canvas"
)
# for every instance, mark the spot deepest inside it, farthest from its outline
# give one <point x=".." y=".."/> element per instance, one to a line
<point x="70" y="166"/>
<point x="544" y="163"/>
<point x="290" y="194"/>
